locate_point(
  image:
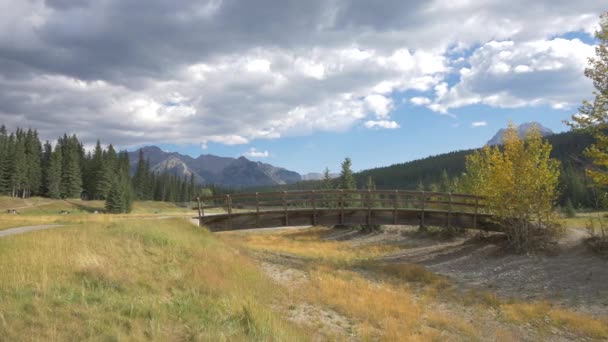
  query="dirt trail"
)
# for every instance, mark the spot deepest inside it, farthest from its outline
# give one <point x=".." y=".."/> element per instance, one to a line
<point x="26" y="229"/>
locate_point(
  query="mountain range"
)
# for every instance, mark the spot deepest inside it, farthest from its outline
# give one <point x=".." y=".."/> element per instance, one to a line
<point x="214" y="170"/>
<point x="241" y="172"/>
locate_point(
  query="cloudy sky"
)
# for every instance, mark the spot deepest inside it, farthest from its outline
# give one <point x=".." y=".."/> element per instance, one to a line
<point x="300" y="84"/>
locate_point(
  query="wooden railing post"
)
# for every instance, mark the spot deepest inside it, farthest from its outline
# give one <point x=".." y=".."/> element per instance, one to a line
<point x="369" y="208"/>
<point x="200" y="208"/>
<point x="422" y="215"/>
<point x="313" y="202"/>
<point x="229" y="206"/>
<point x="449" y="210"/>
<point x="395" y="207"/>
<point x="475" y="213"/>
<point x="341" y="201"/>
<point x="257" y="209"/>
<point x="285" y="208"/>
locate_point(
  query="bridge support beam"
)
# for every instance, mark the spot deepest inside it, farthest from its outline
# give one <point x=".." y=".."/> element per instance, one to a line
<point x="450" y="211"/>
<point x="257" y="210"/>
<point x="341" y="200"/>
<point x="229" y="206"/>
<point x="314" y="208"/>
<point x="369" y="208"/>
<point x="395" y="207"/>
<point x="422" y="225"/>
<point x="285" y="208"/>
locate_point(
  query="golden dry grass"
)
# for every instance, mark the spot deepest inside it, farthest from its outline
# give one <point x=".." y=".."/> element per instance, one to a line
<point x="309" y="244"/>
<point x="382" y="310"/>
<point x="10" y="221"/>
<point x="400" y="301"/>
<point x="543" y="315"/>
<point x="39" y="211"/>
<point x="387" y="305"/>
<point x="583" y="220"/>
<point x="159" y="280"/>
<point x="46" y="206"/>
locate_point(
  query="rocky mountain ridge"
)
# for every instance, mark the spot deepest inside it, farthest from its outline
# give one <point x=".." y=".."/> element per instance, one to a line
<point x="497" y="139"/>
<point x="215" y="170"/>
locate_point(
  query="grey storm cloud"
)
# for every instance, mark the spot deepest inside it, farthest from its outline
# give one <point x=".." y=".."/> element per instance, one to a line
<point x="134" y="72"/>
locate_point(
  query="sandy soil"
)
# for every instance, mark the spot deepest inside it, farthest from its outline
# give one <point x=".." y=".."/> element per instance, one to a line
<point x="569" y="274"/>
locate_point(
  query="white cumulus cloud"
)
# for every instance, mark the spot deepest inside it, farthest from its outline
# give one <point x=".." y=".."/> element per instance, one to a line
<point x="254" y="153"/>
<point x="381" y="124"/>
<point x="226" y="72"/>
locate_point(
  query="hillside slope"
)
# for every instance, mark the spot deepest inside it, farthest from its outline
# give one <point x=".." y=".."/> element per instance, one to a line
<point x="568" y="148"/>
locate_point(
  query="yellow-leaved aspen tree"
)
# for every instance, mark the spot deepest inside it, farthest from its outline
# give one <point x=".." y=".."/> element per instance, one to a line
<point x="519" y="181"/>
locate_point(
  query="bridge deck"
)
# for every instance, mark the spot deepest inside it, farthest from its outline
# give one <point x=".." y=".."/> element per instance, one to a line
<point x="333" y="207"/>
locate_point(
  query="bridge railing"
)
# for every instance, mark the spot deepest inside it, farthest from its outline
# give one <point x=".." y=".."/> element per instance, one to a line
<point x="341" y="200"/>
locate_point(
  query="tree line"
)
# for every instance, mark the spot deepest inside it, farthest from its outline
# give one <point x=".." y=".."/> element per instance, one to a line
<point x="29" y="167"/>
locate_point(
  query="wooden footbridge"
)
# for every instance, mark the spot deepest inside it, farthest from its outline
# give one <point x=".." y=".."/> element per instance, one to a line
<point x="343" y="207"/>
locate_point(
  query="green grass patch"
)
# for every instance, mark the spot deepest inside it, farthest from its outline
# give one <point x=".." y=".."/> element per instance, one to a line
<point x="126" y="279"/>
<point x="47" y="206"/>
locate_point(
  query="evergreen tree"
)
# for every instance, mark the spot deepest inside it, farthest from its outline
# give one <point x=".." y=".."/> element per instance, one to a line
<point x="115" y="201"/>
<point x="151" y="182"/>
<point x="18" y="170"/>
<point x="420" y="186"/>
<point x="111" y="158"/>
<point x="96" y="172"/>
<point x="347" y="181"/>
<point x="33" y="155"/>
<point x="593" y="116"/>
<point x="327" y="181"/>
<point x="569" y="210"/>
<point x="125" y="181"/>
<point x="27" y="167"/>
<point x="53" y="178"/>
<point x="192" y="188"/>
<point x="124" y="167"/>
<point x="327" y="184"/>
<point x="4" y="159"/>
<point x="47" y="152"/>
<point x="71" y="173"/>
<point x="140" y="179"/>
<point x="120" y="196"/>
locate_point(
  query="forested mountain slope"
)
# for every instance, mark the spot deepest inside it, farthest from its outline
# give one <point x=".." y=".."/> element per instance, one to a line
<point x="568" y="147"/>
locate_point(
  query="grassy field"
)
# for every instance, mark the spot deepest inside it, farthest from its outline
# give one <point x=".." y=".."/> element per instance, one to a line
<point x="46" y="206"/>
<point x="404" y="301"/>
<point x="583" y="220"/>
<point x="158" y="280"/>
<point x="38" y="211"/>
<point x="128" y="277"/>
